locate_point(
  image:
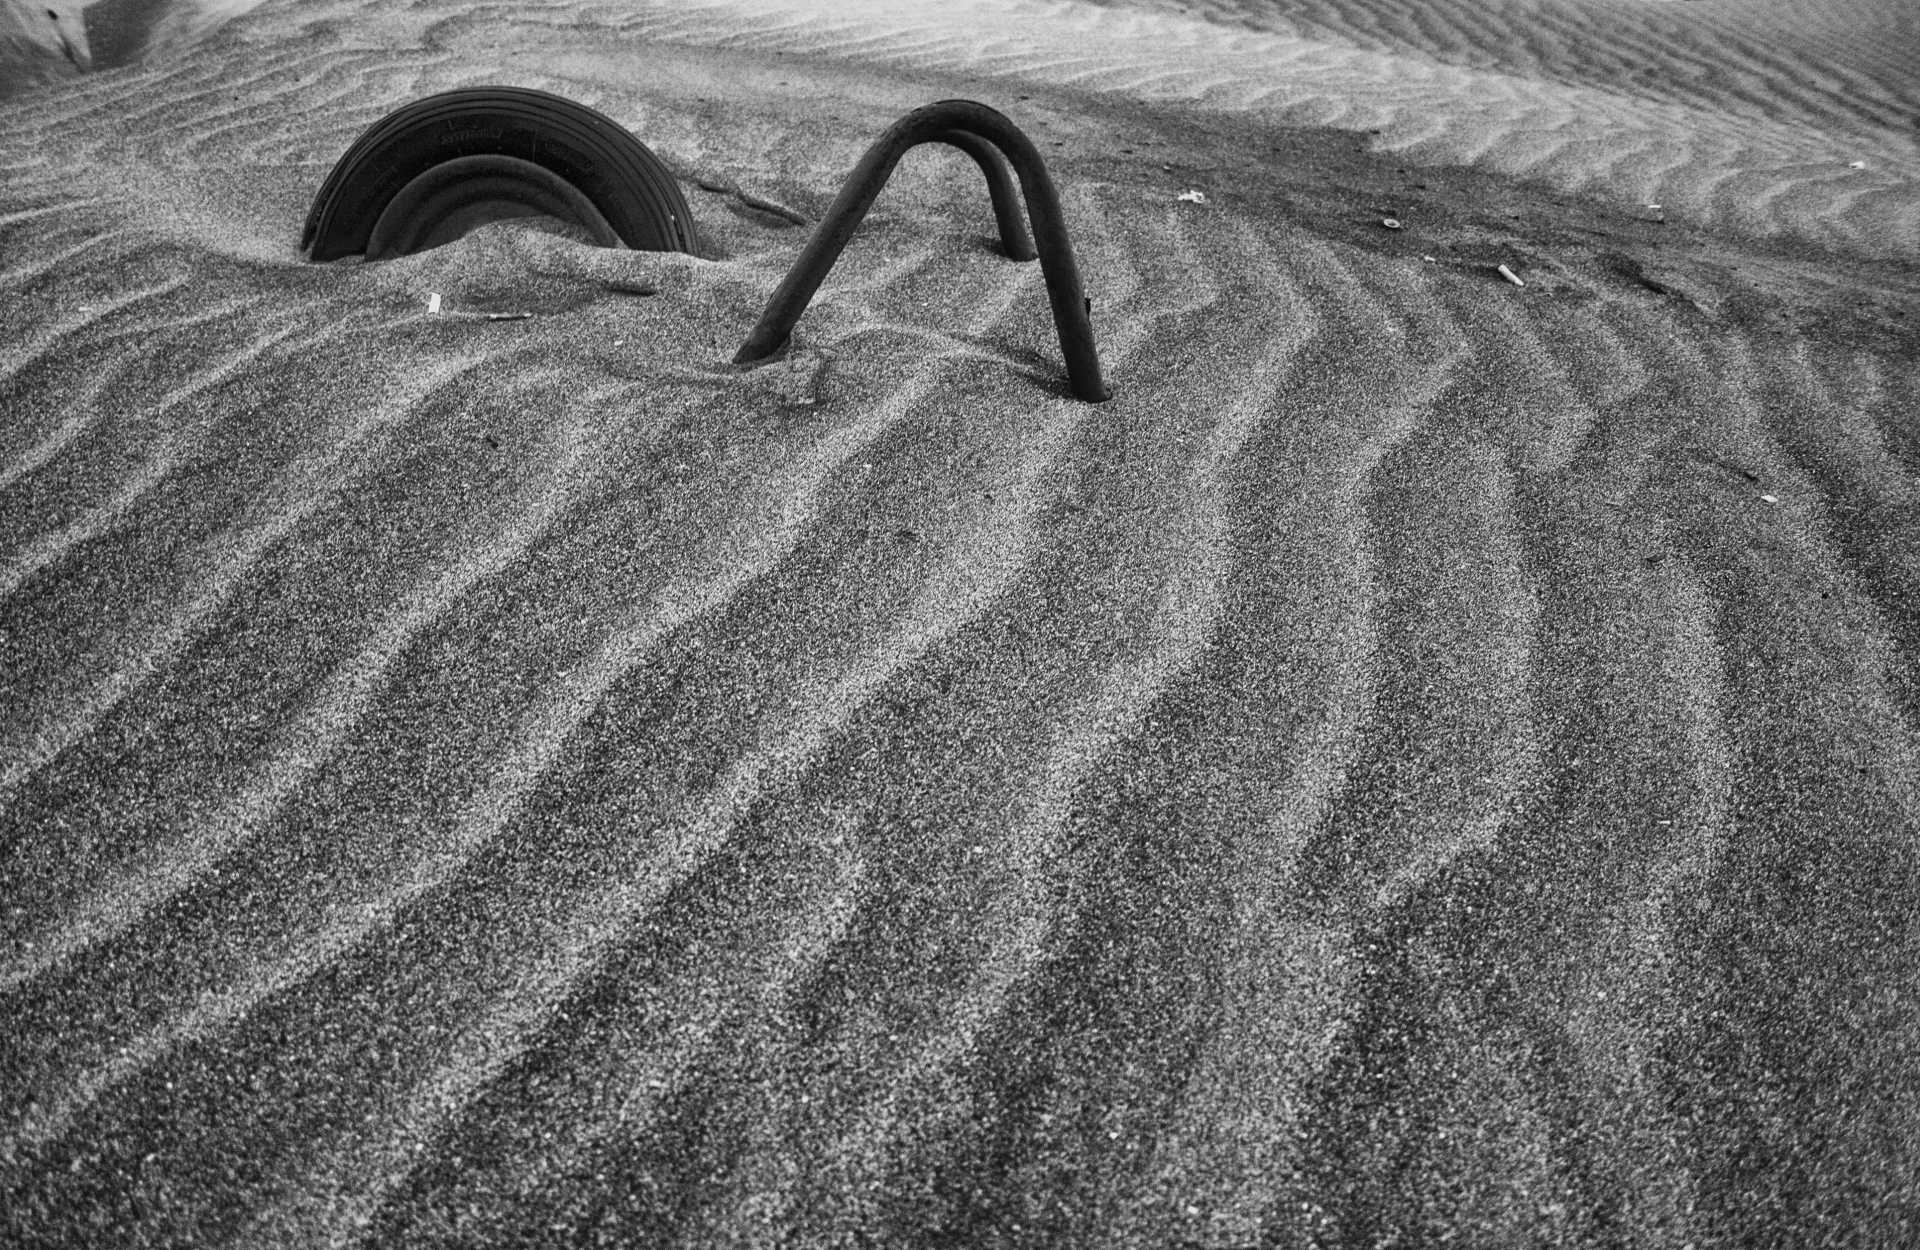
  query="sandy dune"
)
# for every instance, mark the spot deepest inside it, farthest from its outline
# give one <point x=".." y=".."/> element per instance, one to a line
<point x="1431" y="758"/>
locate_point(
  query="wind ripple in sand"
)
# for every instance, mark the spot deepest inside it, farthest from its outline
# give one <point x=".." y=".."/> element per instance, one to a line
<point x="67" y="327"/>
<point x="699" y="595"/>
<point x="1191" y="555"/>
<point x="594" y="926"/>
<point x="112" y="379"/>
<point x="970" y="578"/>
<point x="313" y="739"/>
<point x="1419" y="393"/>
<point x="973" y="574"/>
<point x="1579" y="135"/>
<point x="985" y="564"/>
<point x="101" y="518"/>
<point x="1189" y="571"/>
<point x="176" y="625"/>
<point x="1426" y="786"/>
<point x="19" y="215"/>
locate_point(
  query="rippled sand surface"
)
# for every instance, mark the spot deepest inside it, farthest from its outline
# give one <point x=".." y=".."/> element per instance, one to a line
<point x="1431" y="759"/>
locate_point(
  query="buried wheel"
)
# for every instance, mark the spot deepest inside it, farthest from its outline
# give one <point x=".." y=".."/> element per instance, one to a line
<point x="431" y="170"/>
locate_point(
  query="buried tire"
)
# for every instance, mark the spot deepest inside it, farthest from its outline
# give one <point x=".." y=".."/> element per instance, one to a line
<point x="432" y="169"/>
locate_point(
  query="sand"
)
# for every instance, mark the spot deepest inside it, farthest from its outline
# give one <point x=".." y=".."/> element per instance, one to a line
<point x="1432" y="759"/>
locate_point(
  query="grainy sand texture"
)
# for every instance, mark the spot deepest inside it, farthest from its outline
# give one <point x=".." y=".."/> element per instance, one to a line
<point x="1435" y="759"/>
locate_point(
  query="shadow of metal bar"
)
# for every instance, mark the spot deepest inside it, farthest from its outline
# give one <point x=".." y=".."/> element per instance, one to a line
<point x="942" y="122"/>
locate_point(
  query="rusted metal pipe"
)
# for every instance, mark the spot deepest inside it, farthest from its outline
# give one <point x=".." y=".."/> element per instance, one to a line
<point x="935" y="122"/>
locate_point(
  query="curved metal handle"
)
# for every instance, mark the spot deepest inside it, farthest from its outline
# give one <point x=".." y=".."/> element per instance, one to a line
<point x="943" y="122"/>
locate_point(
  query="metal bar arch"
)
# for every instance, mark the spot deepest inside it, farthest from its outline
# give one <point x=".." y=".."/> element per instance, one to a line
<point x="940" y="122"/>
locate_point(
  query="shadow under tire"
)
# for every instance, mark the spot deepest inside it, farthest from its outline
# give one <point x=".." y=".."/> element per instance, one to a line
<point x="531" y="151"/>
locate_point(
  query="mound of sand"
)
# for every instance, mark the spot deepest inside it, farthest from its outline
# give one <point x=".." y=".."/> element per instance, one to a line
<point x="1434" y="756"/>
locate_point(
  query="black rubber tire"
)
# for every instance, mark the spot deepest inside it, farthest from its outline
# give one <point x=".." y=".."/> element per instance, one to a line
<point x="624" y="182"/>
